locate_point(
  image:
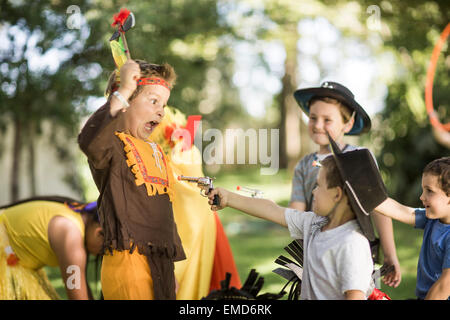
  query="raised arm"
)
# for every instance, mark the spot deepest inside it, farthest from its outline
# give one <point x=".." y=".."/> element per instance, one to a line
<point x="95" y="139"/>
<point x="260" y="208"/>
<point x="129" y="74"/>
<point x="397" y="211"/>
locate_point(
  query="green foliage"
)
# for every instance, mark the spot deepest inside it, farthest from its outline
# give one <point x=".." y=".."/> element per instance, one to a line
<point x="31" y="90"/>
<point x="402" y="133"/>
<point x="34" y="92"/>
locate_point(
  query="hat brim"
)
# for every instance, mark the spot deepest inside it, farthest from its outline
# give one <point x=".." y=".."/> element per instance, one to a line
<point x="370" y="179"/>
<point x="363" y="217"/>
<point x="362" y="122"/>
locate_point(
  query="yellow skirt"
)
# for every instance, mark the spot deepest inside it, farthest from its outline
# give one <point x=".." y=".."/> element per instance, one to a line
<point x="126" y="276"/>
<point x="18" y="282"/>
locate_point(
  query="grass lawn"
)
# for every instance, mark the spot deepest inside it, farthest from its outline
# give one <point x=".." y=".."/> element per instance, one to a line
<point x="259" y="248"/>
<point x="257" y="243"/>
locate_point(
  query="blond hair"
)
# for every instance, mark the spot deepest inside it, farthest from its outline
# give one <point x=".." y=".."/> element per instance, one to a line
<point x="164" y="71"/>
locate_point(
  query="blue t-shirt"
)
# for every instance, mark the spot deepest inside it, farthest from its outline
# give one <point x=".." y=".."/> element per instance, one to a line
<point x="434" y="254"/>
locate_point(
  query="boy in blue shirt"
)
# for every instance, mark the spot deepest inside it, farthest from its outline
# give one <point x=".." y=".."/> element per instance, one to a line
<point x="433" y="269"/>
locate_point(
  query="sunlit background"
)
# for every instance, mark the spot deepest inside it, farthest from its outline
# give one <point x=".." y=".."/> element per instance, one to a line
<point x="238" y="64"/>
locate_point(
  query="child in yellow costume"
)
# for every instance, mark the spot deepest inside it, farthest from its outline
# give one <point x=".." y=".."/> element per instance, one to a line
<point x="46" y="231"/>
<point x="207" y="249"/>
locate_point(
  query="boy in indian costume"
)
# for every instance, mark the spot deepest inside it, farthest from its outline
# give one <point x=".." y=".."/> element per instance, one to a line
<point x="134" y="178"/>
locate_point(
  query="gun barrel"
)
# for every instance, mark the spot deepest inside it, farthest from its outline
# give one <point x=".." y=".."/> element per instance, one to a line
<point x="239" y="188"/>
<point x="245" y="189"/>
<point x="190" y="179"/>
<point x="253" y="192"/>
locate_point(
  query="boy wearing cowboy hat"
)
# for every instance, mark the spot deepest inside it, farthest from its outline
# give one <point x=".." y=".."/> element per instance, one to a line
<point x="337" y="256"/>
<point x="332" y="108"/>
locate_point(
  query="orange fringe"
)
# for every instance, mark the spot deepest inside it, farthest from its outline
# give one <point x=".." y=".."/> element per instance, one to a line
<point x="149" y="165"/>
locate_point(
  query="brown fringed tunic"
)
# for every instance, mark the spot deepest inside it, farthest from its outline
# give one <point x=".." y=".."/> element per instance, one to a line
<point x="134" y="212"/>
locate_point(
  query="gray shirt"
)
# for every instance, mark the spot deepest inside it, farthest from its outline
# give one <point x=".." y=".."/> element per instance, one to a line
<point x="305" y="176"/>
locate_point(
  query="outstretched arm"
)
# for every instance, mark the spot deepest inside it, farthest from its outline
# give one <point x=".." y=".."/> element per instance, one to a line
<point x="260" y="208"/>
<point x="397" y="211"/>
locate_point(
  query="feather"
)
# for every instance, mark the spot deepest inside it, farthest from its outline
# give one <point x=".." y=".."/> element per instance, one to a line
<point x="118" y="52"/>
<point x="120" y="18"/>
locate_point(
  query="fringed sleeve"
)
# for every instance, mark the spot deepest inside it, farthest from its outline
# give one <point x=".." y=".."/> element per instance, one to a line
<point x="96" y="137"/>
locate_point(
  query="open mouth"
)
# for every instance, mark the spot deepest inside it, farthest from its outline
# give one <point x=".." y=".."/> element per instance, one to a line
<point x="151" y="125"/>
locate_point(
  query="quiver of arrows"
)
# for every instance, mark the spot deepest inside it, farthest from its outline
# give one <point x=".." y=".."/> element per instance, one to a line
<point x="292" y="269"/>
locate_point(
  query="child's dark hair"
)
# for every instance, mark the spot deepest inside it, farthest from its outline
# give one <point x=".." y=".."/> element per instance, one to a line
<point x="441" y="169"/>
<point x="333" y="177"/>
<point x="75" y="205"/>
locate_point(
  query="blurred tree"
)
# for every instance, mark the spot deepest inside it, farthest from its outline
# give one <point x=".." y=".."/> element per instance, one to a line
<point x="38" y="79"/>
<point x="282" y="18"/>
<point x="281" y="24"/>
<point x="55" y="55"/>
<point x="402" y="132"/>
<point x="286" y="14"/>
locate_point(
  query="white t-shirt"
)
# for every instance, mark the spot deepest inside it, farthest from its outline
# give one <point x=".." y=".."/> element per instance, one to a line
<point x="334" y="260"/>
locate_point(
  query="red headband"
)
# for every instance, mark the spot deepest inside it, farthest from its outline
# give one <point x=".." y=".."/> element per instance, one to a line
<point x="153" y="81"/>
<point x="145" y="81"/>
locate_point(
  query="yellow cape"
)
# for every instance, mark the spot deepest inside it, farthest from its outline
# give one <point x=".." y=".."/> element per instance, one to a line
<point x="193" y="216"/>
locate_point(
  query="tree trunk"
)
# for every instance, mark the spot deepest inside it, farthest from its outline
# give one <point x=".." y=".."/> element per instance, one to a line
<point x="31" y="159"/>
<point x="17" y="155"/>
<point x="290" y="113"/>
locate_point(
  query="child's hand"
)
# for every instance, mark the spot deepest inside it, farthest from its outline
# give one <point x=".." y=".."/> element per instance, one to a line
<point x="393" y="278"/>
<point x="129" y="74"/>
<point x="223" y="198"/>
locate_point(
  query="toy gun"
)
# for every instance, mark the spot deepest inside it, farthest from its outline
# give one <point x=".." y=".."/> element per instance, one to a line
<point x="254" y="193"/>
<point x="205" y="184"/>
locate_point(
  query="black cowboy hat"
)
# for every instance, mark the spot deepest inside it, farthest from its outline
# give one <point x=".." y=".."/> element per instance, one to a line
<point x="339" y="92"/>
<point x="362" y="183"/>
